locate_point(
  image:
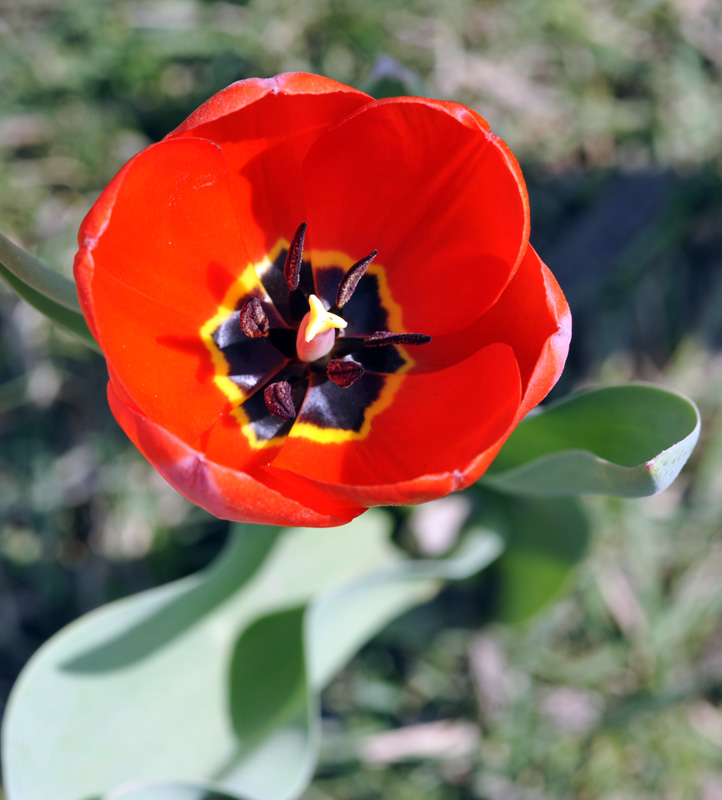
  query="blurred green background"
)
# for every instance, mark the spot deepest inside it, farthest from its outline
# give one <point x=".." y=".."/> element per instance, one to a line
<point x="614" y="109"/>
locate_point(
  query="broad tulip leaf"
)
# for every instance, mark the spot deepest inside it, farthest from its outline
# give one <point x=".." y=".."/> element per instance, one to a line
<point x="49" y="292"/>
<point x="630" y="441"/>
<point x="545" y="539"/>
<point x="210" y="684"/>
<point x="376" y="599"/>
<point x="153" y="790"/>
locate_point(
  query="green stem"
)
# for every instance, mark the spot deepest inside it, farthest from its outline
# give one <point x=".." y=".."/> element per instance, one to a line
<point x="38" y="277"/>
<point x="49" y="292"/>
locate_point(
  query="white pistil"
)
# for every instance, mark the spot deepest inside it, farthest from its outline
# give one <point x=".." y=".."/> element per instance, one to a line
<point x="316" y="333"/>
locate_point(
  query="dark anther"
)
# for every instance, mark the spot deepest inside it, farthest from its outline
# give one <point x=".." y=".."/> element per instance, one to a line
<point x="294" y="258"/>
<point x="344" y="373"/>
<point x="350" y="280"/>
<point x="254" y="322"/>
<point x="279" y="401"/>
<point x="380" y="338"/>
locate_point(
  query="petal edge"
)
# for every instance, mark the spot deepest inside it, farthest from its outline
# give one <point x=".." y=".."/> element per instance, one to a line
<point x="225" y="493"/>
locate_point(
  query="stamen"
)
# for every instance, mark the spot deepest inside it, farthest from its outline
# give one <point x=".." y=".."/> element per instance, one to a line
<point x="294" y="259"/>
<point x="279" y="401"/>
<point x="254" y="322"/>
<point x="380" y="338"/>
<point x="344" y="373"/>
<point x="350" y="280"/>
<point x="320" y="320"/>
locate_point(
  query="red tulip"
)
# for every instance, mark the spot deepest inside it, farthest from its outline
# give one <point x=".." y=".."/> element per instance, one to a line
<point x="434" y="328"/>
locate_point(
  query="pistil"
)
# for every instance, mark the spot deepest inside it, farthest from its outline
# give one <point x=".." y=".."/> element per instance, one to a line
<point x="316" y="333"/>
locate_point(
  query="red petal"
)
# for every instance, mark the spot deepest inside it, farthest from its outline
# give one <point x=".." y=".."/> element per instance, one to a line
<point x="265" y="128"/>
<point x="225" y="493"/>
<point x="246" y="92"/>
<point x="542" y="371"/>
<point x="532" y="316"/>
<point x="165" y="226"/>
<point x="441" y="198"/>
<point x="156" y="261"/>
<point x="224" y="443"/>
<point x="420" y="446"/>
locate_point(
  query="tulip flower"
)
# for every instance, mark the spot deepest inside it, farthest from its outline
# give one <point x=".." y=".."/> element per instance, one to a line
<point x="312" y="302"/>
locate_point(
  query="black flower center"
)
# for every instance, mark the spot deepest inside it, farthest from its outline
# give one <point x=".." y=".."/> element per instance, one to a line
<point x="315" y="336"/>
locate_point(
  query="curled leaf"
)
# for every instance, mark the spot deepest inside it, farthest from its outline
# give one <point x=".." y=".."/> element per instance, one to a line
<point x="630" y="441"/>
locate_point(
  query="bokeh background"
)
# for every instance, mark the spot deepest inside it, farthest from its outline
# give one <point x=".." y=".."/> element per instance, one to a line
<point x="614" y="108"/>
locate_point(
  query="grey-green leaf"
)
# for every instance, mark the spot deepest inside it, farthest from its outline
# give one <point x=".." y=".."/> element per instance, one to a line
<point x="546" y="539"/>
<point x="211" y="684"/>
<point x="168" y="790"/>
<point x="630" y="441"/>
